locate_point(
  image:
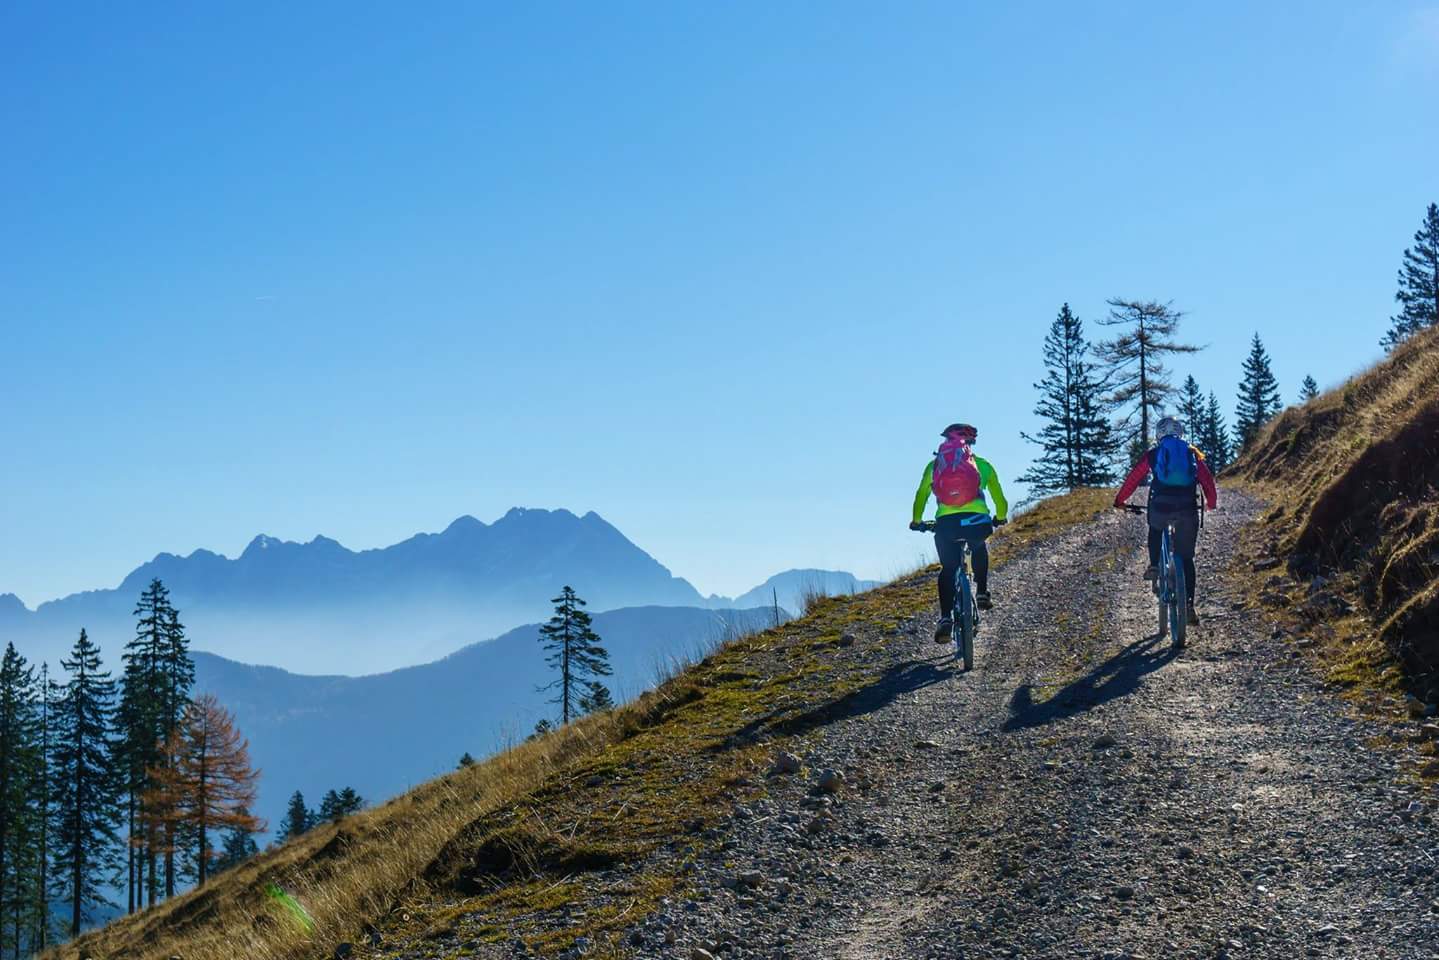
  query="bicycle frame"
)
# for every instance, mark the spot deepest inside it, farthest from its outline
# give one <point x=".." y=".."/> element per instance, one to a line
<point x="1169" y="589"/>
<point x="1169" y="586"/>
<point x="964" y="618"/>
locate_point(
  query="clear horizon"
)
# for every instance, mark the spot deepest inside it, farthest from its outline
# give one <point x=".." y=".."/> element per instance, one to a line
<point x="718" y="274"/>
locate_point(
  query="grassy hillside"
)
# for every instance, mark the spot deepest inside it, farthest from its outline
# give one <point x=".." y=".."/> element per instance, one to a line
<point x="511" y="839"/>
<point x="1354" y="475"/>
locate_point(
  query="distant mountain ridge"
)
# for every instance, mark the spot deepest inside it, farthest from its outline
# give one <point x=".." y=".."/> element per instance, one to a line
<point x="321" y="608"/>
<point x="791" y="587"/>
<point x="385" y="732"/>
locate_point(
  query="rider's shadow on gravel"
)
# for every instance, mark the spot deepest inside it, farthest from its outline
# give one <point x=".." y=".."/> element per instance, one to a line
<point x="1116" y="677"/>
<point x="901" y="679"/>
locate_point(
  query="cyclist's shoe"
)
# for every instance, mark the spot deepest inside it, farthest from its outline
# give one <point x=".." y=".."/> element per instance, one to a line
<point x="943" y="630"/>
<point x="1151" y="573"/>
<point x="983" y="600"/>
<point x="1193" y="615"/>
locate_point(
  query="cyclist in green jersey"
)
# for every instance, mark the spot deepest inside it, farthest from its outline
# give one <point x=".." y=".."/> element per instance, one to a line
<point x="954" y="524"/>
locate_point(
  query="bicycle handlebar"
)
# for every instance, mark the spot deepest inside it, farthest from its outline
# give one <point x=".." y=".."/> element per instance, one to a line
<point x="927" y="526"/>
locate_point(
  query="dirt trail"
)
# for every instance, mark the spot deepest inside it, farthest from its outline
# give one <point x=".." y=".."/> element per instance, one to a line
<point x="1085" y="792"/>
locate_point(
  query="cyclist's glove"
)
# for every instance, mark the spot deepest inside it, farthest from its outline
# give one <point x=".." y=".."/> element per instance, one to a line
<point x="916" y="525"/>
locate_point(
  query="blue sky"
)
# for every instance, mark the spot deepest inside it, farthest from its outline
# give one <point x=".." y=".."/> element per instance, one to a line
<point x="717" y="271"/>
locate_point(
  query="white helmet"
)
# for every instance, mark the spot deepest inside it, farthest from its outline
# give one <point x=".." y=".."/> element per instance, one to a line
<point x="1169" y="427"/>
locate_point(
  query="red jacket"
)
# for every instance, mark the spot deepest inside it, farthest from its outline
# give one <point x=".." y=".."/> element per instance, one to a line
<point x="1141" y="470"/>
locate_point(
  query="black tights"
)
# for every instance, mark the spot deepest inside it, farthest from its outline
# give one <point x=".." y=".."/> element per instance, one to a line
<point x="949" y="534"/>
<point x="1156" y="538"/>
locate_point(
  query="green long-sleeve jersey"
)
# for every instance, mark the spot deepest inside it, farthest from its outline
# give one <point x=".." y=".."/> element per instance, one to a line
<point x="988" y="481"/>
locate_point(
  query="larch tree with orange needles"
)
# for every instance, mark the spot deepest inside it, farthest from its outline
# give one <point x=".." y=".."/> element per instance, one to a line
<point x="206" y="783"/>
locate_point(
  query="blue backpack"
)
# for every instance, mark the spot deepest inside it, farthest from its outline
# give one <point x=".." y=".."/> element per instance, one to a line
<point x="1173" y="464"/>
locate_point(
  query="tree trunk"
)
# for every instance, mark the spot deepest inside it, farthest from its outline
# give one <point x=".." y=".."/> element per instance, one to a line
<point x="1143" y="386"/>
<point x="202" y="809"/>
<point x="132" y="876"/>
<point x="77" y="853"/>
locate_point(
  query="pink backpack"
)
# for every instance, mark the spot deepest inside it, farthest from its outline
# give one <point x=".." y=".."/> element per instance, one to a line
<point x="956" y="475"/>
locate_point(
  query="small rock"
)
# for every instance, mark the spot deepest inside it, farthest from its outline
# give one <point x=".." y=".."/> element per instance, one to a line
<point x="700" y="953"/>
<point x="1304" y="642"/>
<point x="750" y="878"/>
<point x="1105" y="741"/>
<point x="927" y="744"/>
<point x="344" y="951"/>
<point x="830" y="781"/>
<point x="846" y="640"/>
<point x="785" y="763"/>
<point x="1415" y="706"/>
<point x="1124" y="893"/>
<point x="1266" y="563"/>
<point x="819" y="823"/>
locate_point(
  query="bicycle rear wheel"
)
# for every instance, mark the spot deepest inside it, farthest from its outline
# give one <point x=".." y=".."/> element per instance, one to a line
<point x="1179" y="604"/>
<point x="1163" y="606"/>
<point x="964" y="627"/>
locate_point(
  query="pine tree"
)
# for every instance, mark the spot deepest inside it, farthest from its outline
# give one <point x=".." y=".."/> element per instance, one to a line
<point x="238" y="846"/>
<point x="203" y="782"/>
<point x="298" y="817"/>
<point x="465" y="761"/>
<point x="575" y="651"/>
<point x="598" y="699"/>
<point x="1191" y="406"/>
<point x="1258" y="395"/>
<point x="84" y="786"/>
<point x="1213" y="437"/>
<point x="1077" y="442"/>
<point x="542" y="727"/>
<point x="178" y="676"/>
<point x="335" y="805"/>
<point x="1137" y="374"/>
<point x="19" y="738"/>
<point x="1418" y="293"/>
<point x="1308" y="390"/>
<point x="156" y="690"/>
<point x="41" y="924"/>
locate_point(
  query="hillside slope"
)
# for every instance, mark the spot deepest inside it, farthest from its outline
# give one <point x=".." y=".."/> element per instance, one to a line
<point x="520" y="806"/>
<point x="1086" y="791"/>
<point x="1354" y="475"/>
<point x="386" y="732"/>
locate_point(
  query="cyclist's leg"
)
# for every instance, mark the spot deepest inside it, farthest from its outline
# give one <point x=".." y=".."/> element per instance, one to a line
<point x="1156" y="540"/>
<point x="946" y="544"/>
<point x="977" y="534"/>
<point x="1186" y="539"/>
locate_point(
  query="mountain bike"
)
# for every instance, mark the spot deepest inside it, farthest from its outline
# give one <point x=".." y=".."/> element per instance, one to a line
<point x="965" y="615"/>
<point x="1169" y="586"/>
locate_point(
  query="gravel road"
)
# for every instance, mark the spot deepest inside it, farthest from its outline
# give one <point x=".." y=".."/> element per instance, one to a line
<point x="1085" y="792"/>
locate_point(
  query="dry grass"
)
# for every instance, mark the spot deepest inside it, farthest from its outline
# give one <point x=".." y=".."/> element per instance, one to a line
<point x="1354" y="475"/>
<point x="505" y="839"/>
<point x="357" y="868"/>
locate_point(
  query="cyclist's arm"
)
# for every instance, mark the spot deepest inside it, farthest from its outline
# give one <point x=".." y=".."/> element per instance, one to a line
<point x="1001" y="505"/>
<point x="921" y="496"/>
<point x="1136" y="476"/>
<point x="1206" y="480"/>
